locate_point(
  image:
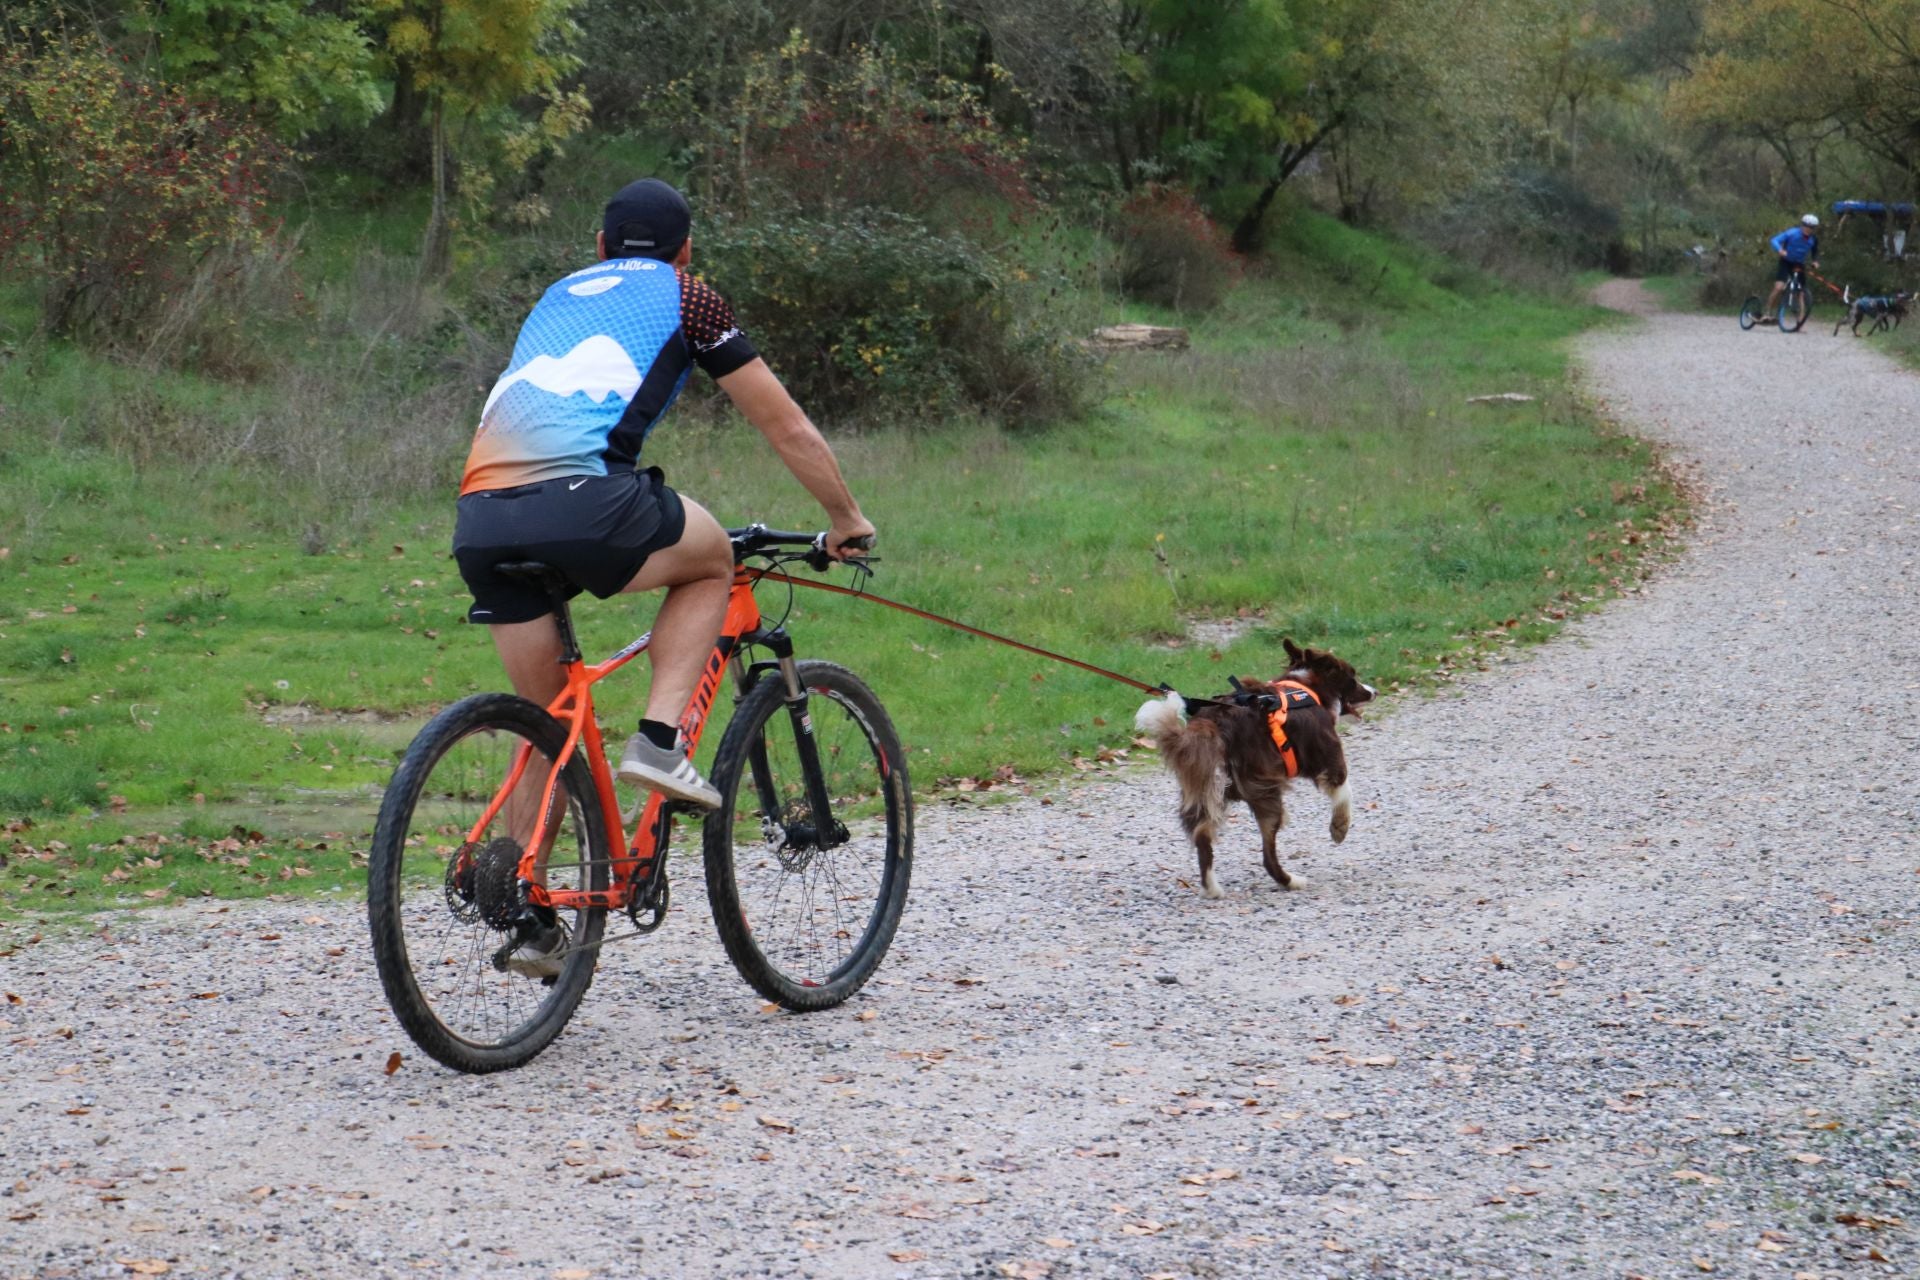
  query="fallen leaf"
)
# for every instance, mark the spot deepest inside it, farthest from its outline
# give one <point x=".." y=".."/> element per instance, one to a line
<point x="1025" y="1269"/>
<point x="1056" y="1242"/>
<point x="1703" y="1264"/>
<point x="1332" y="1246"/>
<point x="775" y="1122"/>
<point x="1807" y="1157"/>
<point x="394" y="1060"/>
<point x="572" y="1273"/>
<point x="866" y="1015"/>
<point x="1144" y="1227"/>
<point x="144" y="1266"/>
<point x="907" y="1255"/>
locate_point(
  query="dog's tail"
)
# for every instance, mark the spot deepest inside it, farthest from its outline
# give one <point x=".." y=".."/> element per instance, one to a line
<point x="1161" y="715"/>
<point x="1194" y="754"/>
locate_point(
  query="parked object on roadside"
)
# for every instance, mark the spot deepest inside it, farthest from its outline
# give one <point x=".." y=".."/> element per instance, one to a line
<point x="1893" y="221"/>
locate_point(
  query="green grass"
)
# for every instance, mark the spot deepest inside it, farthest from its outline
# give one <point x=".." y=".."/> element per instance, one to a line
<point x="193" y="655"/>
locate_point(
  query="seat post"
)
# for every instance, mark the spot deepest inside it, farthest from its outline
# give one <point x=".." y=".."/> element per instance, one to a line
<point x="563" y="623"/>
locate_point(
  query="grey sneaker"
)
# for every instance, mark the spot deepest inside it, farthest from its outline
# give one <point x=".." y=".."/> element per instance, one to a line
<point x="668" y="772"/>
<point x="541" y="954"/>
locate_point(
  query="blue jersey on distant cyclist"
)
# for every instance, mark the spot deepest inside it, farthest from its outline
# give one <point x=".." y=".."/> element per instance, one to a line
<point x="1796" y="244"/>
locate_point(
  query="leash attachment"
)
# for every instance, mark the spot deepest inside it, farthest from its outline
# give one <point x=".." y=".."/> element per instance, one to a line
<point x="834" y="588"/>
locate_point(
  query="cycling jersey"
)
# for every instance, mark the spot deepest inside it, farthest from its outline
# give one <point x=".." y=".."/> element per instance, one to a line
<point x="599" y="360"/>
<point x="1797" y="243"/>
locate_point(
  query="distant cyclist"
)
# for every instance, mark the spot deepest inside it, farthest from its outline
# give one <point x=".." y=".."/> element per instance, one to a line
<point x="554" y="472"/>
<point x="1798" y="247"/>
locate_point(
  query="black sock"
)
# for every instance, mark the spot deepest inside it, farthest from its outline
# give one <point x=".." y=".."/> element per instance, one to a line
<point x="660" y="735"/>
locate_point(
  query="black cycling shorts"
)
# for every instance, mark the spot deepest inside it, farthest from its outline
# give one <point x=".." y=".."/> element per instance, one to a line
<point x="1786" y="269"/>
<point x="598" y="530"/>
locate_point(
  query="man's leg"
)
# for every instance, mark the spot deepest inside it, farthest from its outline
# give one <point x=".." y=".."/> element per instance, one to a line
<point x="530" y="651"/>
<point x="697" y="572"/>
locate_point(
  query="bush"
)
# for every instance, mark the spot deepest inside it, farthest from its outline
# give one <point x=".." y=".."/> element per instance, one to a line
<point x="219" y="319"/>
<point x="873" y="311"/>
<point x="1170" y="253"/>
<point x="873" y="136"/>
<point x="117" y="188"/>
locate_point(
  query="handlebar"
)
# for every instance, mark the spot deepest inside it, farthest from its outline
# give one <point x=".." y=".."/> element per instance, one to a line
<point x="811" y="547"/>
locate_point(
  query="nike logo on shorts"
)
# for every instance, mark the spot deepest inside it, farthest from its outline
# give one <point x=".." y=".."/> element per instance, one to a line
<point x="576" y="484"/>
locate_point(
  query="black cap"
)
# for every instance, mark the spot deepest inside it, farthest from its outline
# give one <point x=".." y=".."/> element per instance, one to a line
<point x="646" y="219"/>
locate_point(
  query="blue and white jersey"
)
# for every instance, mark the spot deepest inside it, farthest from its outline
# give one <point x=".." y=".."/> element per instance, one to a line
<point x="599" y="360"/>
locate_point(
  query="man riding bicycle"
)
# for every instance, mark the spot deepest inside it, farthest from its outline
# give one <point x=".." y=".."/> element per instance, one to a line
<point x="553" y="473"/>
<point x="1798" y="247"/>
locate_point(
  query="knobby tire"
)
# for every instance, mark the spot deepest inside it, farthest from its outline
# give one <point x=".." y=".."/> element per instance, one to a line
<point x="807" y="927"/>
<point x="442" y="987"/>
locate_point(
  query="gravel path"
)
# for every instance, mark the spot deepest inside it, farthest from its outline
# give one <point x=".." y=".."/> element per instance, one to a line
<point x="1615" y="977"/>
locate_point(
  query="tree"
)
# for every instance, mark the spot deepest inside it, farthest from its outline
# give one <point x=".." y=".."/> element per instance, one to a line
<point x="292" y="65"/>
<point x="469" y="57"/>
<point x="1796" y="74"/>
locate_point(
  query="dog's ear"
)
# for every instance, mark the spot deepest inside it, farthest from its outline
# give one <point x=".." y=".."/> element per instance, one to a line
<point x="1295" y="654"/>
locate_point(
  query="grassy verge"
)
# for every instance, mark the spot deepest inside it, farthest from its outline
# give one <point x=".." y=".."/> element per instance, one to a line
<point x="200" y="694"/>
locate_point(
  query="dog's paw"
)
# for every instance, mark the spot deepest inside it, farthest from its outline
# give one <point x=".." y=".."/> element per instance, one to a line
<point x="1210" y="888"/>
<point x="1338" y="828"/>
<point x="1295" y="883"/>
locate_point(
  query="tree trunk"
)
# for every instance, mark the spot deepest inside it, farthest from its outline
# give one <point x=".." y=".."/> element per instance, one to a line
<point x="1248" y="232"/>
<point x="434" y="251"/>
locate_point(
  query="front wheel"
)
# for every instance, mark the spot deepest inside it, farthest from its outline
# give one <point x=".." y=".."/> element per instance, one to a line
<point x="1793" y="310"/>
<point x="807" y="903"/>
<point x="448" y="912"/>
<point x="1750" y="312"/>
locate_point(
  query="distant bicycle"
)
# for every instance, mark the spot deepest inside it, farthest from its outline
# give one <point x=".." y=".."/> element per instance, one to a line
<point x="1796" y="304"/>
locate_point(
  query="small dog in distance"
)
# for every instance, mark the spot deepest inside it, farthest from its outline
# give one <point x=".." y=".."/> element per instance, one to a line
<point x="1246" y="746"/>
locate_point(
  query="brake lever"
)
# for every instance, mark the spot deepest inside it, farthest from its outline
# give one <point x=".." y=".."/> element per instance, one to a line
<point x="820" y="560"/>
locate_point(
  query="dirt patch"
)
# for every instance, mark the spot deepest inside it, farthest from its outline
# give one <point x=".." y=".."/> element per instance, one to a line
<point x="1629" y="296"/>
<point x="304" y="716"/>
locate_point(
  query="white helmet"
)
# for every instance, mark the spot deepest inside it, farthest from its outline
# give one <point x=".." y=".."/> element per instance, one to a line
<point x="1809" y="221"/>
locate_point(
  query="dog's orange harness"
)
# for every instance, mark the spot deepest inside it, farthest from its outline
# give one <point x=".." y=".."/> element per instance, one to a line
<point x="1291" y="694"/>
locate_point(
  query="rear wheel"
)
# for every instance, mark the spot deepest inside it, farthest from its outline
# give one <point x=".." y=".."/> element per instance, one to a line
<point x="807" y="908"/>
<point x="446" y="913"/>
<point x="1750" y="312"/>
<point x="1793" y="310"/>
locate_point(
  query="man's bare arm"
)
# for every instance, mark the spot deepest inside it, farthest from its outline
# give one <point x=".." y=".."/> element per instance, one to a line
<point x="761" y="398"/>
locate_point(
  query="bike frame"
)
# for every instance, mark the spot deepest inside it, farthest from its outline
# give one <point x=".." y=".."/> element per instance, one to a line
<point x="573" y="707"/>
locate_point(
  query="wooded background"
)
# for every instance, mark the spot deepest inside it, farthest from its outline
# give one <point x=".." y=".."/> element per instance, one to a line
<point x="990" y="151"/>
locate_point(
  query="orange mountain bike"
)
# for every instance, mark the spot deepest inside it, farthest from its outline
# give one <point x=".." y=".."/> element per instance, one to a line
<point x="502" y="821"/>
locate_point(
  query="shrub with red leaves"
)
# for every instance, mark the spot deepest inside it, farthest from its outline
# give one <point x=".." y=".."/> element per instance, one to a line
<point x="1171" y="253"/>
<point x="113" y="191"/>
<point x="927" y="160"/>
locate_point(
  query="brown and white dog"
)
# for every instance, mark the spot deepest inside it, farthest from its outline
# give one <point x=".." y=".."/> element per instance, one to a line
<point x="1229" y="748"/>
